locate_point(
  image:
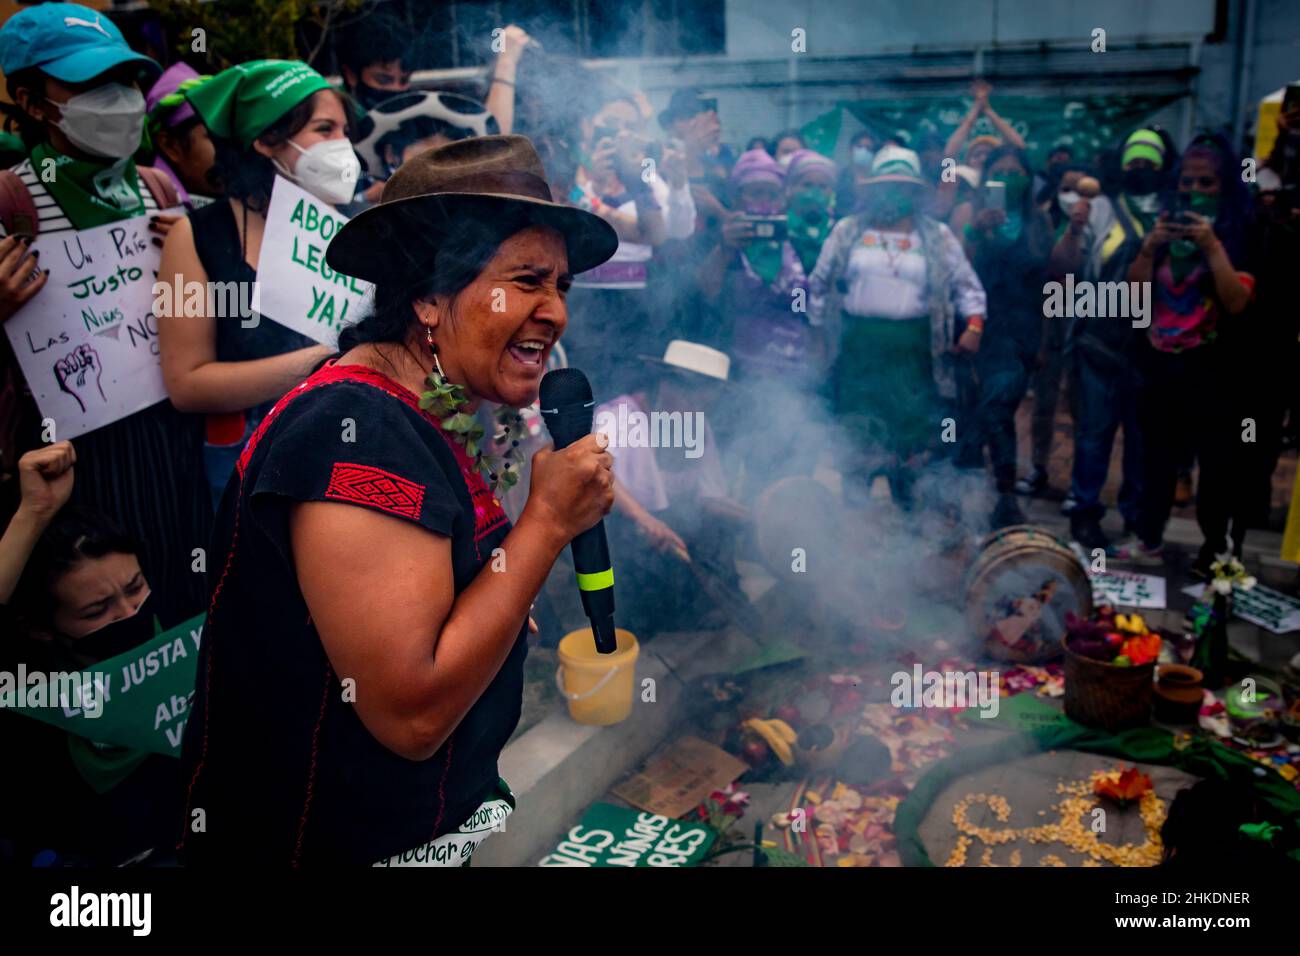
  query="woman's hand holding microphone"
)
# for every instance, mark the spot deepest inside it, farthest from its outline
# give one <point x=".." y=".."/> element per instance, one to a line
<point x="572" y="489"/>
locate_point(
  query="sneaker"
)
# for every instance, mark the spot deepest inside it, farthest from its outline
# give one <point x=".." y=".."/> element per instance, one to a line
<point x="1132" y="551"/>
<point x="1035" y="483"/>
<point x="1069" y="504"/>
<point x="1007" y="513"/>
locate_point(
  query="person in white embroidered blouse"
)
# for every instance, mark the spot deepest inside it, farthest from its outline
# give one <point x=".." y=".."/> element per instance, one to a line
<point x="904" y="311"/>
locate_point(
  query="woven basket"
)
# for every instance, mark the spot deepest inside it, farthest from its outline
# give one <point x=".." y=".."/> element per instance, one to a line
<point x="1106" y="696"/>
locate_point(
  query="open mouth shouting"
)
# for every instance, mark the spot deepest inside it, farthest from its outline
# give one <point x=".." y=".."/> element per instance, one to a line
<point x="530" y="351"/>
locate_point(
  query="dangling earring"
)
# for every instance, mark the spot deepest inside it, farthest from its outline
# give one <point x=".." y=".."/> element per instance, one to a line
<point x="433" y="350"/>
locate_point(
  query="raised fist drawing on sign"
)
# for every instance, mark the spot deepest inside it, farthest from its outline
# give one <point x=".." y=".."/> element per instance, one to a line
<point x="77" y="371"/>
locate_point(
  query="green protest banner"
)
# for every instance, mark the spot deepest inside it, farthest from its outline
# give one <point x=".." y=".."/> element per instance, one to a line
<point x="140" y="699"/>
<point x="1088" y="124"/>
<point x="616" y="836"/>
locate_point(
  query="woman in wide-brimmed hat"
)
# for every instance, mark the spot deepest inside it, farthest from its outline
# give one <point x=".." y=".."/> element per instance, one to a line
<point x="362" y="665"/>
<point x="898" y="298"/>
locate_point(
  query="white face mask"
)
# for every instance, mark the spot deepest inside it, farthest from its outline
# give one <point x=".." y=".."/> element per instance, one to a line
<point x="108" y="121"/>
<point x="328" y="170"/>
<point x="1067" y="201"/>
<point x="1148" y="203"/>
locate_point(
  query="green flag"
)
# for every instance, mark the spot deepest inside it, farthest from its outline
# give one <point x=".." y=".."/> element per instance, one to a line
<point x="1088" y="124"/>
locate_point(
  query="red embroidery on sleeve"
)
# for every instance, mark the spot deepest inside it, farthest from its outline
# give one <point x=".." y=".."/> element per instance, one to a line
<point x="363" y="484"/>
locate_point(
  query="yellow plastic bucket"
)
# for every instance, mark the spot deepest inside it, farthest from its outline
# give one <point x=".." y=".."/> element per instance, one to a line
<point x="598" y="687"/>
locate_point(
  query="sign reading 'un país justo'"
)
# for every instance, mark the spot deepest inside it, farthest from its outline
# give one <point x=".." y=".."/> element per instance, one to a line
<point x="88" y="342"/>
<point x="295" y="285"/>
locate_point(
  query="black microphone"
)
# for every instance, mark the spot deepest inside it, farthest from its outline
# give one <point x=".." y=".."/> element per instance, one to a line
<point x="568" y="408"/>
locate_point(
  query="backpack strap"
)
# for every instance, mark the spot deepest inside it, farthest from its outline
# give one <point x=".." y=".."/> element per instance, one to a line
<point x="17" y="208"/>
<point x="160" y="186"/>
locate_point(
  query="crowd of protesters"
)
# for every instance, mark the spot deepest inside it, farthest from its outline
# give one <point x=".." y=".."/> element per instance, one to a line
<point x="893" y="291"/>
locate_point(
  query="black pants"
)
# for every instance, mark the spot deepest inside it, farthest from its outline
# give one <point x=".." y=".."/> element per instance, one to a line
<point x="1004" y="372"/>
<point x="1188" y="406"/>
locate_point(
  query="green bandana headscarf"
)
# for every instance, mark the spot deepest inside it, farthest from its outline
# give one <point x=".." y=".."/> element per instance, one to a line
<point x="809" y="220"/>
<point x="103" y="766"/>
<point x="764" y="257"/>
<point x="90" y="194"/>
<point x="242" y="102"/>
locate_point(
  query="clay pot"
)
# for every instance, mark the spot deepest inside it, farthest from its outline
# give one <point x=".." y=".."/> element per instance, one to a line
<point x="1178" y="693"/>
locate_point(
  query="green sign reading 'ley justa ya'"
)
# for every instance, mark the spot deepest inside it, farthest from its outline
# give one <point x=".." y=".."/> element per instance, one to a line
<point x="615" y="836"/>
<point x="141" y="698"/>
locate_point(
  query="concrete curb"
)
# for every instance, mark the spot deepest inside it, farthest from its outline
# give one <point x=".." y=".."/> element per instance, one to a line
<point x="558" y="768"/>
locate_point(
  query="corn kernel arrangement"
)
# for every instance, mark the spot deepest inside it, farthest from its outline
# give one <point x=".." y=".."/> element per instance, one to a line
<point x="1071" y="828"/>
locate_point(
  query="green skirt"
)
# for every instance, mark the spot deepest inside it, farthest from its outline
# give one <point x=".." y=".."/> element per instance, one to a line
<point x="883" y="383"/>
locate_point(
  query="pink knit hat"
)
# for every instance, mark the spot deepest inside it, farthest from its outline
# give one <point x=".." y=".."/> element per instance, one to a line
<point x="806" y="159"/>
<point x="756" y="166"/>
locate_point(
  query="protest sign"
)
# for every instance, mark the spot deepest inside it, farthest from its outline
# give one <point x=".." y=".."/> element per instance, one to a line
<point x="295" y="286"/>
<point x="615" y="836"/>
<point x="1260" y="605"/>
<point x="87" y="343"/>
<point x="1128" y="589"/>
<point x="142" y="696"/>
<point x="681" y="777"/>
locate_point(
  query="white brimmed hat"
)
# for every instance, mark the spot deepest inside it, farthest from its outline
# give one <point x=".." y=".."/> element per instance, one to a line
<point x="895" y="164"/>
<point x="693" y="357"/>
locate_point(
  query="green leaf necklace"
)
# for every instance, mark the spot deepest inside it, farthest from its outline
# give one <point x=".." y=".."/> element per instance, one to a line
<point x="446" y="401"/>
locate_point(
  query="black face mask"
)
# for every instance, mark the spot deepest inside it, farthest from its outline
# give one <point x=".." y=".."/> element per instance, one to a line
<point x="1140" y="182"/>
<point x="371" y="96"/>
<point x="113" y="639"/>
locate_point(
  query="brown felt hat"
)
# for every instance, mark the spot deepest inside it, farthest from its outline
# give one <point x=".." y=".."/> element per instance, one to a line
<point x="433" y="192"/>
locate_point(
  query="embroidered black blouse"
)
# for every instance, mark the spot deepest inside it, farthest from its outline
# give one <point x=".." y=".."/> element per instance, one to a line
<point x="280" y="765"/>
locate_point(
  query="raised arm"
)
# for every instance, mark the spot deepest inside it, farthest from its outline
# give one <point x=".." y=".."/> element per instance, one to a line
<point x="1008" y="133"/>
<point x="501" y="93"/>
<point x="45" y="482"/>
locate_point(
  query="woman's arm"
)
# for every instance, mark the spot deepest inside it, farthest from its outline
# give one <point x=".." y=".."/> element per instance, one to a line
<point x="822" y="277"/>
<point x="1009" y="135"/>
<point x="713" y="270"/>
<point x="195" y="380"/>
<point x="420" y="654"/>
<point x="958" y="138"/>
<point x="651" y="225"/>
<point x="1231" y="291"/>
<point x="962" y="217"/>
<point x="658" y="535"/>
<point x="1144" y="263"/>
<point x="45" y="480"/>
<point x="1067" y="254"/>
<point x="501" y="93"/>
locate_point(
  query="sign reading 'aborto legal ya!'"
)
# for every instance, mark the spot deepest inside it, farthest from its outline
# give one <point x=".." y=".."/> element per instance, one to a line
<point x="295" y="286"/>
